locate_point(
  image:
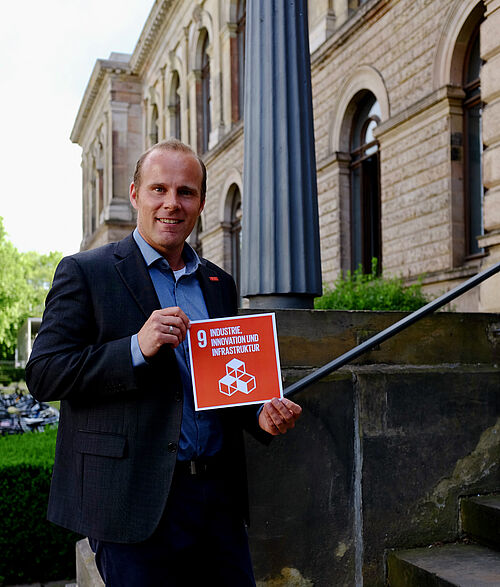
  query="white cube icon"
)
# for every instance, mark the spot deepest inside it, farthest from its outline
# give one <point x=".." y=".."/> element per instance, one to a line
<point x="235" y="368"/>
<point x="236" y="379"/>
<point x="227" y="385"/>
<point x="246" y="383"/>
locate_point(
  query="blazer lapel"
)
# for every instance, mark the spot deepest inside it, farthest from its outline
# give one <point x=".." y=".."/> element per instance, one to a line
<point x="133" y="270"/>
<point x="212" y="292"/>
<point x="134" y="273"/>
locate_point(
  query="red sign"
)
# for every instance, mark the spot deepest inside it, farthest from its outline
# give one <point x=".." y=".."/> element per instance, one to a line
<point x="234" y="361"/>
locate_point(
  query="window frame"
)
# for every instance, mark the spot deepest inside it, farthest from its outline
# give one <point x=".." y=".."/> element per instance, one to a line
<point x="366" y="235"/>
<point x="472" y="99"/>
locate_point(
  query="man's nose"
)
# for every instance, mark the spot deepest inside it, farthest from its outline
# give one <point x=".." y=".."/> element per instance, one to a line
<point x="171" y="199"/>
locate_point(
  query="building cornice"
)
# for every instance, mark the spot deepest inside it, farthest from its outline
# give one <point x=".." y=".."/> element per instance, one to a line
<point x="446" y="93"/>
<point x="102" y="68"/>
<point x="149" y="35"/>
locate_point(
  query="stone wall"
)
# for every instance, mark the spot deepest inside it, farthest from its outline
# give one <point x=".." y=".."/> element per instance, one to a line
<point x="384" y="449"/>
<point x="490" y="52"/>
<point x="391" y="49"/>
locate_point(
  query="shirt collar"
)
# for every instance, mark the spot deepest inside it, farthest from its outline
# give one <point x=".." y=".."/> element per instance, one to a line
<point x="150" y="255"/>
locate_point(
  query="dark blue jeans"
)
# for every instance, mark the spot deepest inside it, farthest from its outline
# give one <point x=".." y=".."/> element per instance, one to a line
<point x="200" y="540"/>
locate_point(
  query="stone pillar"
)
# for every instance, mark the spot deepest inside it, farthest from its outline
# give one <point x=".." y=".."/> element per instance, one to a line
<point x="193" y="88"/>
<point x="322" y="22"/>
<point x="185" y="93"/>
<point x="162" y="122"/>
<point x="281" y="255"/>
<point x="229" y="64"/>
<point x="216" y="88"/>
<point x="490" y="95"/>
<point x="119" y="207"/>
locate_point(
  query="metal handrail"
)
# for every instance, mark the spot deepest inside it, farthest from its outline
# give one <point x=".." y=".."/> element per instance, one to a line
<point x="390" y="331"/>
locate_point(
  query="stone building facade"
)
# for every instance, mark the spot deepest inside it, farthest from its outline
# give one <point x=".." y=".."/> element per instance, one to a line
<point x="406" y="97"/>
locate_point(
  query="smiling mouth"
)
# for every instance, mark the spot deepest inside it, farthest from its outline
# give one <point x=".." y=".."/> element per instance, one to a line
<point x="169" y="221"/>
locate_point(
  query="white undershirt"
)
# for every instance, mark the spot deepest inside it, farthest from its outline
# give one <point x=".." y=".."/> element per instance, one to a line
<point x="179" y="273"/>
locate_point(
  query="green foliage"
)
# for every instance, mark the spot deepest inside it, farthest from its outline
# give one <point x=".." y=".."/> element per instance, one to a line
<point x="32" y="548"/>
<point x="31" y="449"/>
<point x="369" y="291"/>
<point x="25" y="279"/>
<point x="10" y="374"/>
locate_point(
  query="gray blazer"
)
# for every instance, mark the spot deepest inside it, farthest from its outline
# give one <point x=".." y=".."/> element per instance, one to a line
<point x="119" y="427"/>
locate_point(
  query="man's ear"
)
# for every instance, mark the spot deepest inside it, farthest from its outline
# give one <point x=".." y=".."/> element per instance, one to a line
<point x="133" y="195"/>
<point x="202" y="205"/>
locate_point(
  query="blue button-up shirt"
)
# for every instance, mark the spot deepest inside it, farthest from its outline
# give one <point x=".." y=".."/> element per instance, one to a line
<point x="201" y="432"/>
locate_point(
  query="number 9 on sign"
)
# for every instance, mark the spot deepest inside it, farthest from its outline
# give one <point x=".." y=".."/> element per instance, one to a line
<point x="202" y="339"/>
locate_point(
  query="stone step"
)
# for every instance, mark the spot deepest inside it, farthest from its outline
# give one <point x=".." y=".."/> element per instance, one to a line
<point x="458" y="565"/>
<point x="481" y="519"/>
<point x="87" y="574"/>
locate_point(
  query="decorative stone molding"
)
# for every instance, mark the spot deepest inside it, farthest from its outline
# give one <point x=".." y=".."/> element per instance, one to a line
<point x="364" y="77"/>
<point x="102" y="69"/>
<point x="448" y="93"/>
<point x="234" y="177"/>
<point x="322" y="30"/>
<point x="150" y="34"/>
<point x="348" y="23"/>
<point x="458" y="15"/>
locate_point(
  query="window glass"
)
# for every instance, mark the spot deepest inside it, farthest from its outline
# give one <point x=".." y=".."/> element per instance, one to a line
<point x="365" y="185"/>
<point x="176" y="106"/>
<point x="236" y="215"/>
<point x="241" y="21"/>
<point x="473" y="148"/>
<point x="205" y="97"/>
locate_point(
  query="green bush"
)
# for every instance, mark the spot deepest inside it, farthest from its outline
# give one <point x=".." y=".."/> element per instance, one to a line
<point x="369" y="291"/>
<point x="10" y="374"/>
<point x="31" y="548"/>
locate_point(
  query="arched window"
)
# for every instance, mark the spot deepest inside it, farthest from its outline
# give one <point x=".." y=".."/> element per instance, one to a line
<point x="366" y="240"/>
<point x="236" y="214"/>
<point x="473" y="147"/>
<point x="94" y="195"/>
<point x="241" y="15"/>
<point x="175" y="107"/>
<point x="154" y="126"/>
<point x="100" y="181"/>
<point x="204" y="106"/>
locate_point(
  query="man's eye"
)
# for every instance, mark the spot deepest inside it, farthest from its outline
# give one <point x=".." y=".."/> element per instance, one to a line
<point x="159" y="189"/>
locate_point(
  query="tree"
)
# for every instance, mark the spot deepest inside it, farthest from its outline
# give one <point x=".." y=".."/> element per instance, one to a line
<point x="25" y="279"/>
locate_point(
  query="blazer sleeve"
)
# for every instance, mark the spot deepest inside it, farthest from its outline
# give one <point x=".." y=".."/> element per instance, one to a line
<point x="68" y="358"/>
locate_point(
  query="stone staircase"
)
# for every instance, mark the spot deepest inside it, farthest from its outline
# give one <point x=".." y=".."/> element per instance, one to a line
<point x="473" y="563"/>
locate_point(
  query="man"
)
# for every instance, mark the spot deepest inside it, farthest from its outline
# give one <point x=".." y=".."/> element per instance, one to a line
<point x="159" y="488"/>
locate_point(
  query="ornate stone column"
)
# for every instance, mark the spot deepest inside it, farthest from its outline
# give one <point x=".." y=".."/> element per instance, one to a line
<point x="490" y="95"/>
<point x="229" y="84"/>
<point x="281" y="256"/>
<point x="163" y="104"/>
<point x="193" y="89"/>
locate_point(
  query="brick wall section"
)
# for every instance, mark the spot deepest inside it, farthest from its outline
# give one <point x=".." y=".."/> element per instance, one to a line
<point x="415" y="203"/>
<point x="220" y="166"/>
<point x="400" y="43"/>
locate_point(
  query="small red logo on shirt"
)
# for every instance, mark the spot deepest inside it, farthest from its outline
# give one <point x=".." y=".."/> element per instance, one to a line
<point x="213" y="278"/>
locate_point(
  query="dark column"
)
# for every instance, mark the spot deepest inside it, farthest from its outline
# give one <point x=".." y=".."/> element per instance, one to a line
<point x="281" y="256"/>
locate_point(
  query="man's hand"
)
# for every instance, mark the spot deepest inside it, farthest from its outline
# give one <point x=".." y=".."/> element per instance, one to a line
<point x="279" y="415"/>
<point x="166" y="326"/>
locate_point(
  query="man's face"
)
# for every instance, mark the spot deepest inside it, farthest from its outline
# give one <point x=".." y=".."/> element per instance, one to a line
<point x="168" y="201"/>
